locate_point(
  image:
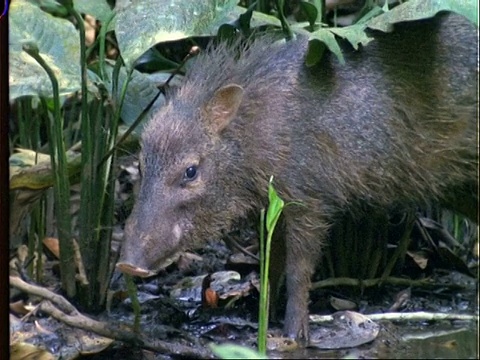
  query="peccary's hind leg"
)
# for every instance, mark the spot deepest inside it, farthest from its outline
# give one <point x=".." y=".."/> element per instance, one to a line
<point x="304" y="237"/>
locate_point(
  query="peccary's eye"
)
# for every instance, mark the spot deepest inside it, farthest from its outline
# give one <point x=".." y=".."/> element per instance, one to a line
<point x="190" y="173"/>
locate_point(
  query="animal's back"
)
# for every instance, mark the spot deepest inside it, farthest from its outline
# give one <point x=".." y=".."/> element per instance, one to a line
<point x="397" y="122"/>
<point x="398" y="119"/>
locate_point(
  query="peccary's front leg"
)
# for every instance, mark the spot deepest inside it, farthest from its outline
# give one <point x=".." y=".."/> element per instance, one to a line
<point x="304" y="237"/>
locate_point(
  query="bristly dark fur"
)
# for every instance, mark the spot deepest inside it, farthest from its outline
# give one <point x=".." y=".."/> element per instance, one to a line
<point x="396" y="125"/>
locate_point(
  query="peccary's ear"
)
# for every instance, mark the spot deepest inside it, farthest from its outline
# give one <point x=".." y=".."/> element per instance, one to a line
<point x="223" y="107"/>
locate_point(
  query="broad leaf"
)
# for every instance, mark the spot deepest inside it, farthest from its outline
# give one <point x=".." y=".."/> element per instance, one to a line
<point x="355" y="34"/>
<point x="141" y="90"/>
<point x="144" y="23"/>
<point x="422" y="9"/>
<point x="99" y="9"/>
<point x="327" y="38"/>
<point x="58" y="43"/>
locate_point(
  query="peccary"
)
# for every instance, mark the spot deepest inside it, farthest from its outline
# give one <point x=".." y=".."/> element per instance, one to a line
<point x="395" y="125"/>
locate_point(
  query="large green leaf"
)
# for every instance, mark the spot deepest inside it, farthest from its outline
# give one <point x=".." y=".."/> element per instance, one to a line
<point x="144" y="23"/>
<point x="258" y="18"/>
<point x="354" y="34"/>
<point x="99" y="9"/>
<point x="141" y="90"/>
<point x="422" y="9"/>
<point x="58" y="43"/>
<point x="316" y="46"/>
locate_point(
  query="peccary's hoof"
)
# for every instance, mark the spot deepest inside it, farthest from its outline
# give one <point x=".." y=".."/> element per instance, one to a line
<point x="134" y="271"/>
<point x="299" y="334"/>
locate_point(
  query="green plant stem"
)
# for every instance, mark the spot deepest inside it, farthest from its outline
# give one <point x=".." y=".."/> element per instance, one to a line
<point x="281" y="16"/>
<point x="263" y="303"/>
<point x="83" y="61"/>
<point x="262" y="6"/>
<point x="89" y="209"/>
<point x="132" y="293"/>
<point x="402" y="246"/>
<point x="275" y="207"/>
<point x="118" y="106"/>
<point x="101" y="49"/>
<point x="61" y="181"/>
<point x="320" y="5"/>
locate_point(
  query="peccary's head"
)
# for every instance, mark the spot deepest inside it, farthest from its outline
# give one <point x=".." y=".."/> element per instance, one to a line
<point x="189" y="167"/>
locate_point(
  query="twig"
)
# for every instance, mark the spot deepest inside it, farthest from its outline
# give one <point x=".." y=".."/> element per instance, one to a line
<point x="59" y="308"/>
<point x="44" y="293"/>
<point x="408" y="316"/>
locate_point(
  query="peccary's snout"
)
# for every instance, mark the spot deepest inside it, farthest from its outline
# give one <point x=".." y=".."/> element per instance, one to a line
<point x="148" y="246"/>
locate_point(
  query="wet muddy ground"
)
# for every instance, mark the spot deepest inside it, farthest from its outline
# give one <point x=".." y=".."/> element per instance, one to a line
<point x="174" y="309"/>
<point x="210" y="295"/>
<point x="175" y="299"/>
